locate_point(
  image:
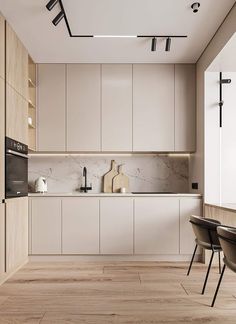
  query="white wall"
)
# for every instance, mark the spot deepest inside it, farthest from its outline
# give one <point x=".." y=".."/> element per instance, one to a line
<point x="224" y="33"/>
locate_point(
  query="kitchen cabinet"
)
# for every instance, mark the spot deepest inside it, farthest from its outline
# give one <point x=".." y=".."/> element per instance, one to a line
<point x="116" y="226"/>
<point x="46" y="226"/>
<point x="80" y="226"/>
<point x="2" y="138"/>
<point x="16" y="116"/>
<point x="16" y="232"/>
<point x="2" y="47"/>
<point x="83" y="107"/>
<point x="51" y="107"/>
<point x="153" y="107"/>
<point x="185" y="111"/>
<point x="16" y="63"/>
<point x="156" y="228"/>
<point x="2" y="239"/>
<point x="117" y="107"/>
<point x="187" y="239"/>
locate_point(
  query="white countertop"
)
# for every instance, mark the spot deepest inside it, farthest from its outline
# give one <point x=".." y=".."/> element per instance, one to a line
<point x="80" y="194"/>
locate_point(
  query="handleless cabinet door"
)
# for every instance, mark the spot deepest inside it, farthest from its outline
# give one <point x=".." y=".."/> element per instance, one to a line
<point x="188" y="207"/>
<point x="2" y="239"/>
<point x="153" y="107"/>
<point x="116" y="226"/>
<point x="2" y="138"/>
<point x="156" y="225"/>
<point x="16" y="232"/>
<point x="51" y="107"/>
<point x="83" y="107"/>
<point x="2" y="47"/>
<point x="80" y="225"/>
<point x="117" y="107"/>
<point x="16" y="116"/>
<point x="185" y="102"/>
<point x="16" y="63"/>
<point x="46" y="225"/>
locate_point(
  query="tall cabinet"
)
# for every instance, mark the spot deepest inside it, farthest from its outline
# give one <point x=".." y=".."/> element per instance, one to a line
<point x="2" y="136"/>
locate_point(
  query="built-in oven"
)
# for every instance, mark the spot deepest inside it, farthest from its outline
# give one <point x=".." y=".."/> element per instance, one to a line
<point x="16" y="169"/>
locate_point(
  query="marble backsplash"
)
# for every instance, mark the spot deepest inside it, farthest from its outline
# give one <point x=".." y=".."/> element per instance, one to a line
<point x="146" y="173"/>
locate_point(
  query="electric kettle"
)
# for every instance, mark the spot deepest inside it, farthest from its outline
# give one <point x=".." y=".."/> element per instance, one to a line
<point x="41" y="185"/>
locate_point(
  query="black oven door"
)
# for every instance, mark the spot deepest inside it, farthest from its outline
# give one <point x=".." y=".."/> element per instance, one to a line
<point x="16" y="177"/>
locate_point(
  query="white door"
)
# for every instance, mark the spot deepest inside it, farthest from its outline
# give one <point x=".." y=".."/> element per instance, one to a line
<point x="83" y="107"/>
<point x="51" y="107"/>
<point x="117" y="107"/>
<point x="46" y="225"/>
<point x="185" y="112"/>
<point x="80" y="225"/>
<point x="188" y="207"/>
<point x="156" y="225"/>
<point x="116" y="226"/>
<point x="153" y="107"/>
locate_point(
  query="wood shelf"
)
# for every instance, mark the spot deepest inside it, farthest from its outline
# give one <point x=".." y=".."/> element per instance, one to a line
<point x="31" y="84"/>
<point x="31" y="126"/>
<point x="31" y="105"/>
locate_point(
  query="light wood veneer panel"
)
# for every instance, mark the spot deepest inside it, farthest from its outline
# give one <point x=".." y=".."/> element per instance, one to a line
<point x="2" y="47"/>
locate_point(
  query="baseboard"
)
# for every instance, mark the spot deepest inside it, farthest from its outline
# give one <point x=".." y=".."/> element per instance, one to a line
<point x="167" y="258"/>
<point x="7" y="275"/>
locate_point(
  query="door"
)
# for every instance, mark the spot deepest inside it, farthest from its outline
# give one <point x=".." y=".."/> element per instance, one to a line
<point x="2" y="239"/>
<point x="83" y="107"/>
<point x="188" y="207"/>
<point x="46" y="225"/>
<point x="116" y="107"/>
<point x="16" y="232"/>
<point x="80" y="225"/>
<point x="156" y="225"/>
<point x="51" y="103"/>
<point x="153" y="107"/>
<point x="116" y="226"/>
<point x="185" y="112"/>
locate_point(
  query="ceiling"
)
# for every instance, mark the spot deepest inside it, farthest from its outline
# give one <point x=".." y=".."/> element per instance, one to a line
<point x="47" y="43"/>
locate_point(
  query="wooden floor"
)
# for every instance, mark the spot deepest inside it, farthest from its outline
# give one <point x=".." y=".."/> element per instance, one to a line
<point x="117" y="292"/>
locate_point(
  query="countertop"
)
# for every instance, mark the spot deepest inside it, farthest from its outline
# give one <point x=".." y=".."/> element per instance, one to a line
<point x="74" y="194"/>
<point x="225" y="206"/>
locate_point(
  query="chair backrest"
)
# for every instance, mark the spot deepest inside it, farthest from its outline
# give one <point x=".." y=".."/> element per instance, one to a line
<point x="227" y="237"/>
<point x="205" y="230"/>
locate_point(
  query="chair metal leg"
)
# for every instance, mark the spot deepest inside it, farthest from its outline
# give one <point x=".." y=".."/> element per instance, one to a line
<point x="219" y="263"/>
<point x="218" y="286"/>
<point x="190" y="266"/>
<point x="207" y="274"/>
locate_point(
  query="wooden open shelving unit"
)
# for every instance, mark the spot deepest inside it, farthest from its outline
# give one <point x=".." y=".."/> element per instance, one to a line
<point x="32" y="113"/>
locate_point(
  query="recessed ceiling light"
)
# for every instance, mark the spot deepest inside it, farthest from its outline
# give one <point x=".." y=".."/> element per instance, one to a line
<point x="195" y="6"/>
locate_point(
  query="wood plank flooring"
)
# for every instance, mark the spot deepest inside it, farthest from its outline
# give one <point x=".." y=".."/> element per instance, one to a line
<point x="115" y="292"/>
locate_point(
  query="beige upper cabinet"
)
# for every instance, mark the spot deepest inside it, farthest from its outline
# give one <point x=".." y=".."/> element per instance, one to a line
<point x="16" y="63"/>
<point x="2" y="47"/>
<point x="51" y="107"/>
<point x="153" y="107"/>
<point x="16" y="116"/>
<point x="117" y="107"/>
<point x="185" y="102"/>
<point x="83" y="107"/>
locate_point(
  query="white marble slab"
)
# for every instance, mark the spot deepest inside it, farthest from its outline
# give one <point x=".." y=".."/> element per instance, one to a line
<point x="146" y="173"/>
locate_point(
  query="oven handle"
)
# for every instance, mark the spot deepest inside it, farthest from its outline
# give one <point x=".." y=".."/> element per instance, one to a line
<point x="17" y="154"/>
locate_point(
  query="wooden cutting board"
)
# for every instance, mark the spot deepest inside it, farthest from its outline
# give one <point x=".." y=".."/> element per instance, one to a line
<point x="108" y="177"/>
<point x="120" y="181"/>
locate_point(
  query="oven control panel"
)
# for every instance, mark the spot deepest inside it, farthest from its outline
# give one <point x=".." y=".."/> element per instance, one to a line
<point x="13" y="145"/>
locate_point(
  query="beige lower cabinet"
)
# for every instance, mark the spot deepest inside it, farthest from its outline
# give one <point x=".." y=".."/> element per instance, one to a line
<point x="45" y="219"/>
<point x="188" y="206"/>
<point x="80" y="225"/>
<point x="2" y="239"/>
<point x="16" y="232"/>
<point x="156" y="225"/>
<point x="116" y="226"/>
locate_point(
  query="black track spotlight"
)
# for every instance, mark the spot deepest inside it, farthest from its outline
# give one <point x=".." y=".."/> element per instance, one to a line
<point x="58" y="18"/>
<point x="168" y="42"/>
<point x="154" y="44"/>
<point x="51" y="4"/>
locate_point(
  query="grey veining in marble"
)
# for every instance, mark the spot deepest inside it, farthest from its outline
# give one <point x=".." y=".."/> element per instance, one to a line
<point x="146" y="173"/>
